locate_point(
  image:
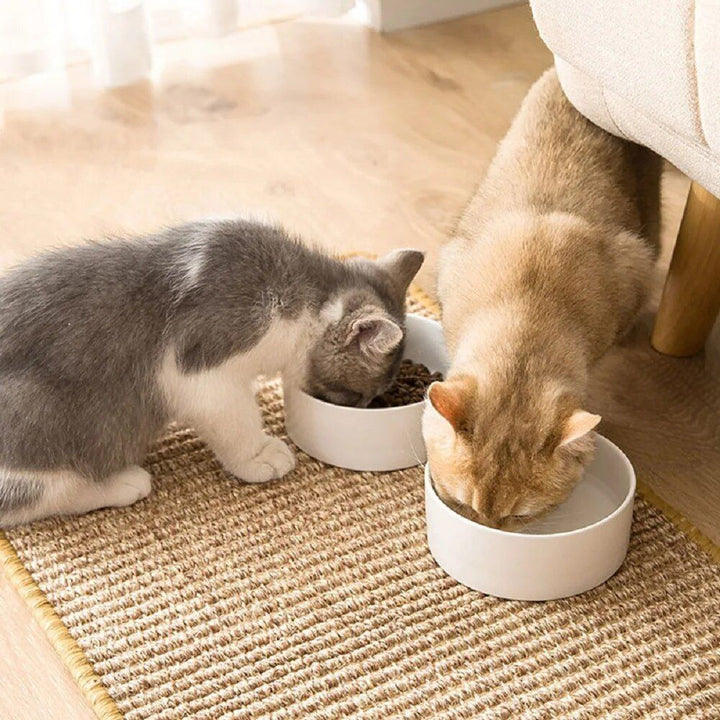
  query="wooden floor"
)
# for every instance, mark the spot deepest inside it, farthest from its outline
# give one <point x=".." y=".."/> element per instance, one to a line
<point x="358" y="141"/>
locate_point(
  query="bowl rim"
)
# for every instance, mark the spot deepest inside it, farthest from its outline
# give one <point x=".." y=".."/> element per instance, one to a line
<point x="350" y="409"/>
<point x="544" y="537"/>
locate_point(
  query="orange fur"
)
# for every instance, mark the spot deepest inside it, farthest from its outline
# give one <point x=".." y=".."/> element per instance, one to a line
<point x="548" y="268"/>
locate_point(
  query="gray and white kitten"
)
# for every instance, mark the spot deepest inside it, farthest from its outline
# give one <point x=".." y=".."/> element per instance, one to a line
<point x="102" y="345"/>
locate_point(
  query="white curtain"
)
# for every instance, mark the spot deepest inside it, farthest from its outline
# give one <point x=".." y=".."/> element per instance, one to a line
<point x="118" y="36"/>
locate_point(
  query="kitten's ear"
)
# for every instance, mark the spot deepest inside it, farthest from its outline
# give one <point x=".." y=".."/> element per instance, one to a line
<point x="449" y="398"/>
<point x="580" y="423"/>
<point x="402" y="266"/>
<point x="375" y="334"/>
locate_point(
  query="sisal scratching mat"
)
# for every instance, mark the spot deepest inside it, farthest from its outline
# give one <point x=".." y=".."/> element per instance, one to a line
<point x="316" y="597"/>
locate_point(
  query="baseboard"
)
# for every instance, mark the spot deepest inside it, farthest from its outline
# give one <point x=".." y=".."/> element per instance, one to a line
<point x="390" y="15"/>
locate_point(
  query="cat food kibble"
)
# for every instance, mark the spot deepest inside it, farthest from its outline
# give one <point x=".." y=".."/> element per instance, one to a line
<point x="411" y="384"/>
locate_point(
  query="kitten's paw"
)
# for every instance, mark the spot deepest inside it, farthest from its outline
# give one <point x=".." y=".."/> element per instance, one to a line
<point x="274" y="460"/>
<point x="128" y="486"/>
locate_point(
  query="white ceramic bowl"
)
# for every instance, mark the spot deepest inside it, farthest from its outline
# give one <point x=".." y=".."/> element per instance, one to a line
<point x="574" y="548"/>
<point x="369" y="439"/>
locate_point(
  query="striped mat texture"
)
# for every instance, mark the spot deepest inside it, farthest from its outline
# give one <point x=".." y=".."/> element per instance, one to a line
<point x="316" y="597"/>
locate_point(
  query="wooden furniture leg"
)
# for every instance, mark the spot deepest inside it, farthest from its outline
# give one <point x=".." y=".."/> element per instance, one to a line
<point x="691" y="297"/>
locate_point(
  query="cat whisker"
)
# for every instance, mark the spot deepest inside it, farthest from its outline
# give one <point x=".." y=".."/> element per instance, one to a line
<point x="522" y="524"/>
<point x="414" y="451"/>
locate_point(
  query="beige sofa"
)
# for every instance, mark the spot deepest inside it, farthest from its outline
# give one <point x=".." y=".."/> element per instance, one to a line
<point x="649" y="70"/>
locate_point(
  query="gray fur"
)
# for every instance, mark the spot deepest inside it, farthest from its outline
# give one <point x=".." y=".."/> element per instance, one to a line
<point x="83" y="330"/>
<point x="17" y="493"/>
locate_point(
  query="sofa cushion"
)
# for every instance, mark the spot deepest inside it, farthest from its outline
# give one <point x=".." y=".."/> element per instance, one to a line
<point x="617" y="116"/>
<point x="707" y="59"/>
<point x="640" y="49"/>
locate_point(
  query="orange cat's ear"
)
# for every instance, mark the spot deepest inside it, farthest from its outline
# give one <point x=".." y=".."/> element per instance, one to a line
<point x="449" y="399"/>
<point x="578" y="424"/>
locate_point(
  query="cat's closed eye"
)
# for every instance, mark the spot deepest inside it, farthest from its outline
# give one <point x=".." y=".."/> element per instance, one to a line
<point x="518" y="516"/>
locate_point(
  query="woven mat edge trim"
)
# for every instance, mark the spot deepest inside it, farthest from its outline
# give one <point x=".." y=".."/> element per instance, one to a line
<point x="63" y="643"/>
<point x="83" y="672"/>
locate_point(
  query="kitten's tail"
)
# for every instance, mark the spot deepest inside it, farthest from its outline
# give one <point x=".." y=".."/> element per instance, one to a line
<point x="19" y="497"/>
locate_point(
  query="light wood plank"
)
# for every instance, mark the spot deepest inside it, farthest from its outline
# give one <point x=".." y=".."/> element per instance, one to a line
<point x="34" y="684"/>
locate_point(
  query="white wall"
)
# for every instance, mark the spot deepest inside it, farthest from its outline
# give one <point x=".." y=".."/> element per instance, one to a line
<point x="389" y="15"/>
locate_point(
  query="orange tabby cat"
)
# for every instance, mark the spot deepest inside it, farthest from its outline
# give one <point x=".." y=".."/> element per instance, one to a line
<point x="549" y="267"/>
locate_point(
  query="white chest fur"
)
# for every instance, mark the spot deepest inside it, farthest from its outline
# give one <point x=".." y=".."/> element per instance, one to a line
<point x="285" y="344"/>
